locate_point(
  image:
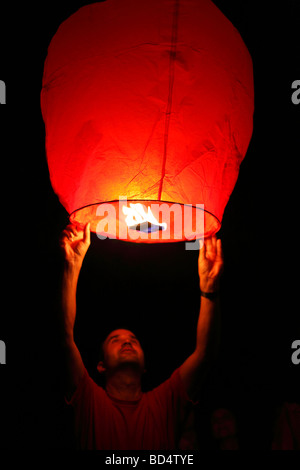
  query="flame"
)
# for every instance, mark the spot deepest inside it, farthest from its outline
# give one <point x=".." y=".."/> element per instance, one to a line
<point x="136" y="215"/>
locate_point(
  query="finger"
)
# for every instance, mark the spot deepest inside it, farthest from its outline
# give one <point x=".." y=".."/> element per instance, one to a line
<point x="70" y="227"/>
<point x="209" y="245"/>
<point x="212" y="247"/>
<point x="214" y="242"/>
<point x="87" y="233"/>
<point x="219" y="249"/>
<point x="76" y="230"/>
<point x="71" y="231"/>
<point x="63" y="242"/>
<point x="65" y="234"/>
<point x="202" y="252"/>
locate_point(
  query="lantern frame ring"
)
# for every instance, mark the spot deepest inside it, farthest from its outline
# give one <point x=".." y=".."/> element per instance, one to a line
<point x="85" y="214"/>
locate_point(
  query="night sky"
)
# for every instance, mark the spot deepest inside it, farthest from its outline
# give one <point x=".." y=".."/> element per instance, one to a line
<point x="152" y="289"/>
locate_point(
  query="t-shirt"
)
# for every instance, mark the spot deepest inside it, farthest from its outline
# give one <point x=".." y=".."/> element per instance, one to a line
<point x="287" y="429"/>
<point x="152" y="422"/>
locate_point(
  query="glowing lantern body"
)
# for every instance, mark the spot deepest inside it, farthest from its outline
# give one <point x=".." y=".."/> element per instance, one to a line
<point x="150" y="101"/>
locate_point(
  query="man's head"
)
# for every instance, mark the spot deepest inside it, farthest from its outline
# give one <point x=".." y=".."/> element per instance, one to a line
<point x="121" y="350"/>
<point x="223" y="424"/>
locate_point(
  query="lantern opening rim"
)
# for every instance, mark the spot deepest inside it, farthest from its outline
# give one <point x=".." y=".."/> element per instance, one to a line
<point x="214" y="222"/>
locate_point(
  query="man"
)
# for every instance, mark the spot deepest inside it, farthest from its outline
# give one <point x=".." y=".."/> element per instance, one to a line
<point x="122" y="417"/>
<point x="224" y="429"/>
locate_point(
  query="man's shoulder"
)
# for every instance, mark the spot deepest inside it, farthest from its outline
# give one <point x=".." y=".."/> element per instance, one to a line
<point x="171" y="382"/>
<point x="87" y="386"/>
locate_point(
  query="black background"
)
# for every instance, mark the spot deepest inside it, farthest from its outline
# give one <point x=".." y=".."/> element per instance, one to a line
<point x="152" y="289"/>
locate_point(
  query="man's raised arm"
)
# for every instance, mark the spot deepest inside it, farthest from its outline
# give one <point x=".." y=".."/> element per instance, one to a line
<point x="210" y="267"/>
<point x="74" y="244"/>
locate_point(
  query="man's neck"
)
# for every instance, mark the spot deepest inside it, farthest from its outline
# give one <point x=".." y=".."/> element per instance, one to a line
<point x="229" y="443"/>
<point x="124" y="385"/>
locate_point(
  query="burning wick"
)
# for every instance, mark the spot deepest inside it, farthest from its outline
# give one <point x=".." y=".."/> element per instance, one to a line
<point x="138" y="219"/>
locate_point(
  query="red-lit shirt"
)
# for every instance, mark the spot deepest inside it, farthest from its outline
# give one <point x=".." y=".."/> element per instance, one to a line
<point x="153" y="422"/>
<point x="287" y="429"/>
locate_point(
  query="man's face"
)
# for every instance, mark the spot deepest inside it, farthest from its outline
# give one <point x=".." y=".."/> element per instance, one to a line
<point x="121" y="347"/>
<point x="223" y="424"/>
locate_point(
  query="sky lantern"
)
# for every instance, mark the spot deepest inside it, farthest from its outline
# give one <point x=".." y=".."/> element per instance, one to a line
<point x="148" y="112"/>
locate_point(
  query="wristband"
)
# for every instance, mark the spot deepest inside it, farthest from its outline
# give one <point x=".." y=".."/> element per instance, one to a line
<point x="209" y="295"/>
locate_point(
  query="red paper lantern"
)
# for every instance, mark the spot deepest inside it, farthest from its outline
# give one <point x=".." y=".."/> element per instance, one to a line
<point x="148" y="102"/>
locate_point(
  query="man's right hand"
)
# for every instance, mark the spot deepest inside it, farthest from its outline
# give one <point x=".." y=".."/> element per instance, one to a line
<point x="74" y="244"/>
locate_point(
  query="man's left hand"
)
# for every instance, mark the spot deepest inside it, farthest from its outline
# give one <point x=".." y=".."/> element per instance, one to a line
<point x="210" y="264"/>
